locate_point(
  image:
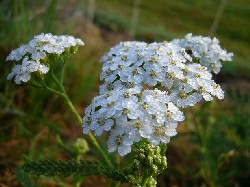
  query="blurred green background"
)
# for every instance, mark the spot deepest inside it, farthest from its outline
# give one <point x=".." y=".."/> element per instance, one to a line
<point x="212" y="147"/>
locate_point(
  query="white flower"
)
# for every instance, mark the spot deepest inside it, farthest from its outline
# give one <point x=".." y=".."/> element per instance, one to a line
<point x="160" y="134"/>
<point x="182" y="99"/>
<point x="133" y="74"/>
<point x="111" y="86"/>
<point x="120" y="141"/>
<point x="138" y="129"/>
<point x="169" y="114"/>
<point x="100" y="124"/>
<point x="154" y="75"/>
<point x="32" y="57"/>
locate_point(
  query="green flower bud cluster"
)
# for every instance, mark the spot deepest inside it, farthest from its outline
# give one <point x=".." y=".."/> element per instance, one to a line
<point x="151" y="158"/>
<point x="147" y="162"/>
<point x="150" y="182"/>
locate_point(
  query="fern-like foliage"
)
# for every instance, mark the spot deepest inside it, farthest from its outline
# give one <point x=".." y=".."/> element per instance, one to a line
<point x="72" y="167"/>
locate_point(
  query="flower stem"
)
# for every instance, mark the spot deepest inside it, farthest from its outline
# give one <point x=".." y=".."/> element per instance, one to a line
<point x="79" y="119"/>
<point x="63" y="70"/>
<point x="52" y="90"/>
<point x="92" y="138"/>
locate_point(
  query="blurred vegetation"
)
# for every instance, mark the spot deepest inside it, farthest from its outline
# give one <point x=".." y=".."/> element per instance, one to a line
<point x="212" y="147"/>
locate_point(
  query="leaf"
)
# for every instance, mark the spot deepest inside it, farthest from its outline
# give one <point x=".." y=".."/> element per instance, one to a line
<point x="72" y="167"/>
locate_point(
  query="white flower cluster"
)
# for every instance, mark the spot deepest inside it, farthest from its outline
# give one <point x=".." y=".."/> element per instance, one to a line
<point x="33" y="57"/>
<point x="206" y="50"/>
<point x="145" y="85"/>
<point x="133" y="114"/>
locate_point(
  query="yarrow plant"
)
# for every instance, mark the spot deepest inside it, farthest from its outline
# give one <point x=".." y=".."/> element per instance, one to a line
<point x="145" y="86"/>
<point x="144" y="90"/>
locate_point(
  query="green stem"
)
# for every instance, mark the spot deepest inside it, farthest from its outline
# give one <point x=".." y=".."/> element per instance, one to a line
<point x="53" y="90"/>
<point x="96" y="144"/>
<point x="63" y="70"/>
<point x="61" y="144"/>
<point x="144" y="180"/>
<point x="79" y="120"/>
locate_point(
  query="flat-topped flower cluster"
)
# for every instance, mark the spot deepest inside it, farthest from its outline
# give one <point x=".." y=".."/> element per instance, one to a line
<point x="145" y="85"/>
<point x="36" y="56"/>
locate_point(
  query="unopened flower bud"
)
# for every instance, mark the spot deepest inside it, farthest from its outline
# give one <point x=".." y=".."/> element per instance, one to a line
<point x="81" y="146"/>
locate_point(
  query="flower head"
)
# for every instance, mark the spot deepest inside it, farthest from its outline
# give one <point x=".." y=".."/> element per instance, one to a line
<point x="35" y="57"/>
<point x="145" y="85"/>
